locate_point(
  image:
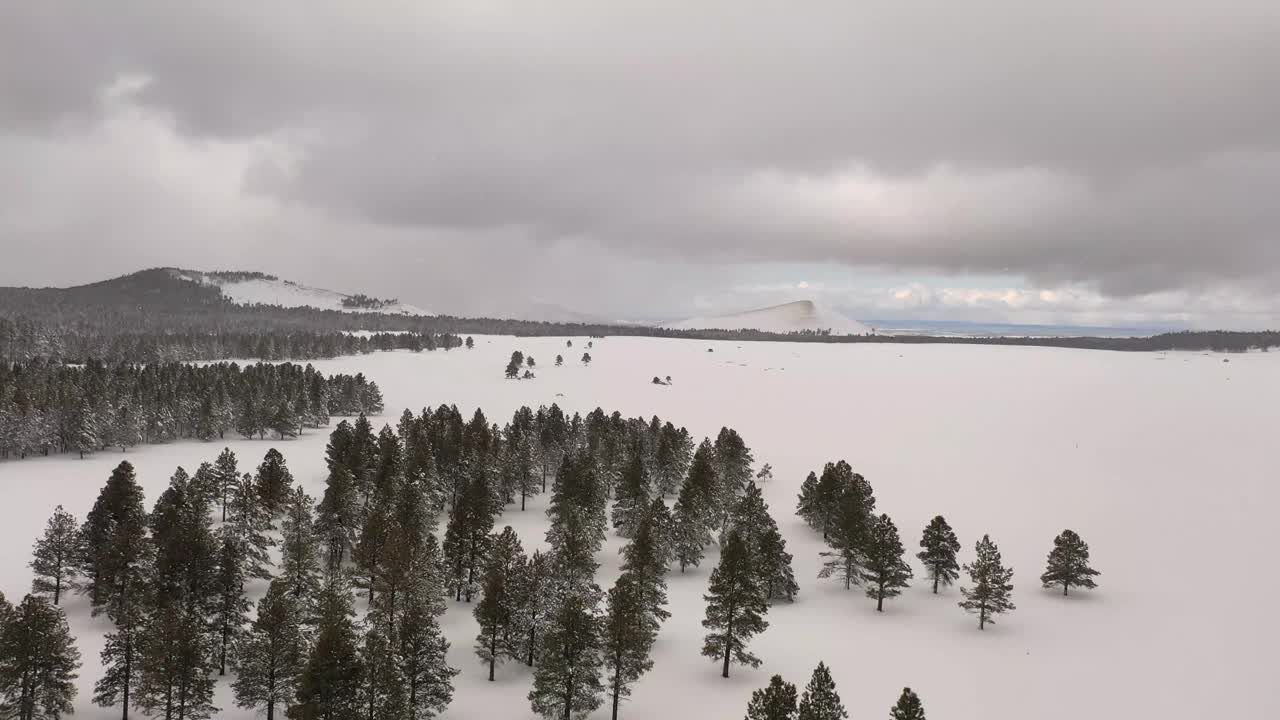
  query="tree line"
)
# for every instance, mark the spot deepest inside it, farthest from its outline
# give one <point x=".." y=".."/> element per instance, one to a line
<point x="48" y="407"/>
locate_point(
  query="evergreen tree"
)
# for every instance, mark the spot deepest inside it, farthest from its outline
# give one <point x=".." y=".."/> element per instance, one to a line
<point x="175" y="658"/>
<point x="85" y="435"/>
<point x="1069" y="563"/>
<point x="232" y="607"/>
<point x="886" y="572"/>
<point x="331" y="681"/>
<point x="382" y="695"/>
<point x="38" y="662"/>
<point x="648" y="556"/>
<point x="422" y="652"/>
<point x="807" y="504"/>
<point x="467" y="540"/>
<point x="689" y="535"/>
<point x="908" y="707"/>
<point x="820" y="700"/>
<point x="848" y="532"/>
<point x="533" y="603"/>
<point x="250" y="528"/>
<point x="765" y="474"/>
<point x="55" y="555"/>
<point x="114" y="540"/>
<point x="496" y="612"/>
<point x="940" y="546"/>
<point x="735" y="605"/>
<point x="628" y="633"/>
<point x="559" y="360"/>
<point x="120" y="656"/>
<point x="273" y="482"/>
<point x="991" y="589"/>
<point x="185" y="568"/>
<point x="775" y="566"/>
<point x="631" y="498"/>
<point x="732" y="460"/>
<point x="299" y="558"/>
<point x="337" y="517"/>
<point x="269" y="657"/>
<point x="566" y="682"/>
<point x="226" y="478"/>
<point x="775" y="702"/>
<point x="586" y="358"/>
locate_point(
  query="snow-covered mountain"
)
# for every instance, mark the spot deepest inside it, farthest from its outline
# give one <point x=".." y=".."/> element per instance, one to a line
<point x="784" y="318"/>
<point x="259" y="289"/>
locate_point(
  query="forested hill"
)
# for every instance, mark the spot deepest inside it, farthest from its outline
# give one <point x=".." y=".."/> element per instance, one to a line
<point x="165" y="313"/>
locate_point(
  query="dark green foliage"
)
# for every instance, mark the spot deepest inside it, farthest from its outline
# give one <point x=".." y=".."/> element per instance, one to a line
<point x="648" y="556"/>
<point x="627" y="635"/>
<point x="120" y="657"/>
<point x="631" y="498"/>
<point x="185" y="568"/>
<point x="775" y="702"/>
<point x="466" y="540"/>
<point x="231" y="607"/>
<point x="338" y="516"/>
<point x="299" y="549"/>
<point x="55" y="555"/>
<point x="820" y="700"/>
<point x="1069" y="563"/>
<point x="273" y="482"/>
<point x="250" y="527"/>
<point x="807" y="504"/>
<point x="226" y="478"/>
<point x="513" y="365"/>
<point x="732" y="460"/>
<point x="566" y="681"/>
<point x="736" y="605"/>
<point x="991" y="589"/>
<point x="908" y="707"/>
<point x="751" y="517"/>
<point x="270" y="655"/>
<point x="533" y="588"/>
<point x="38" y="661"/>
<point x="938" y="555"/>
<point x="886" y="573"/>
<point x="498" y="608"/>
<point x="114" y="540"/>
<point x="175" y="681"/>
<point x="382" y="696"/>
<point x="334" y="675"/>
<point x="421" y="650"/>
<point x="847" y="532"/>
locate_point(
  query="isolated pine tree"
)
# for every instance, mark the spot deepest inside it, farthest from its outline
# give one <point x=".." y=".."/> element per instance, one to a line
<point x="38" y="662"/>
<point x="775" y="566"/>
<point x="1069" y="563"/>
<point x="908" y="707"/>
<point x="886" y="572"/>
<point x="270" y="655"/>
<point x="176" y="675"/>
<point x="226" y="478"/>
<point x="627" y="635"/>
<point x="559" y="360"/>
<point x="736" y="606"/>
<point x="991" y="589"/>
<point x="820" y="700"/>
<point x="938" y="555"/>
<point x="566" y="681"/>
<point x="777" y="701"/>
<point x="496" y="612"/>
<point x="55" y="556"/>
<point x="273" y="482"/>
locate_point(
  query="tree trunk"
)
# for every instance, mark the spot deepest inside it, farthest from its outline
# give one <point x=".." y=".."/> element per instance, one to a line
<point x="1064" y="591"/>
<point x="880" y="599"/>
<point x="616" y="691"/>
<point x="493" y="653"/>
<point x="935" y="583"/>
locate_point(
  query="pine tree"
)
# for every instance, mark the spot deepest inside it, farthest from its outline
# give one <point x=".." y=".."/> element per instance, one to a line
<point x="269" y="657"/>
<point x="631" y="498"/>
<point x="467" y="540"/>
<point x="886" y="572"/>
<point x="939" y="553"/>
<point x="55" y="555"/>
<point x="628" y="633"/>
<point x="86" y="437"/>
<point x="273" y="482"/>
<point x="114" y="540"/>
<point x="38" y="662"/>
<point x="820" y="700"/>
<point x="120" y="656"/>
<point x="807" y="503"/>
<point x="185" y="568"/>
<point x="299" y="558"/>
<point x="382" y="695"/>
<point x="991" y="589"/>
<point x="497" y="609"/>
<point x="775" y="566"/>
<point x="232" y="607"/>
<point x="226" y="478"/>
<point x="735" y="606"/>
<point x="566" y="683"/>
<point x="251" y="527"/>
<point x="908" y="707"/>
<point x="1069" y="563"/>
<point x="337" y="517"/>
<point x="648" y="556"/>
<point x="765" y="474"/>
<point x="848" y="531"/>
<point x="775" y="702"/>
<point x="422" y="651"/>
<point x="331" y="681"/>
<point x="533" y="603"/>
<point x="175" y="655"/>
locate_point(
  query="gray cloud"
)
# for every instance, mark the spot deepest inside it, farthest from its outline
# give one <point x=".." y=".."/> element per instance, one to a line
<point x="1131" y="148"/>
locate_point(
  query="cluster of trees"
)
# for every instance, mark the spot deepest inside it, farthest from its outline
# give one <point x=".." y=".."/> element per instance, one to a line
<point x="820" y="701"/>
<point x="866" y="550"/>
<point x="366" y="302"/>
<point x="48" y="407"/>
<point x="518" y="361"/>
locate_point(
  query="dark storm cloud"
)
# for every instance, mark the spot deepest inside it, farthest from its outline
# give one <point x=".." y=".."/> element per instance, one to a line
<point x="1134" y="147"/>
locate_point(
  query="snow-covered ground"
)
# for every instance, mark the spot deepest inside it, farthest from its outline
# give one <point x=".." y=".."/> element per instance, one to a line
<point x="1164" y="463"/>
<point x="286" y="293"/>
<point x="784" y="318"/>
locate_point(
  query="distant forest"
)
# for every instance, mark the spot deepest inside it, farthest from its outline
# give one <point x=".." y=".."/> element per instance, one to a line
<point x="155" y="315"/>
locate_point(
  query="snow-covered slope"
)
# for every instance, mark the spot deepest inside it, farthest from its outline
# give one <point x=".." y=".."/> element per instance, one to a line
<point x="784" y="318"/>
<point x="268" y="290"/>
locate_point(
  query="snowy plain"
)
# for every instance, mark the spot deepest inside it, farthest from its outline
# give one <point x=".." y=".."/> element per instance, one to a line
<point x="1164" y="463"/>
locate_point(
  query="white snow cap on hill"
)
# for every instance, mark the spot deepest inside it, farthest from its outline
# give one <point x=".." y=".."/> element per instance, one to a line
<point x="285" y="293"/>
<point x="784" y="318"/>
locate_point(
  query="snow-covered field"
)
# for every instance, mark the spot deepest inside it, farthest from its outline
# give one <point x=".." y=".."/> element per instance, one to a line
<point x="1165" y="464"/>
<point x="285" y="293"/>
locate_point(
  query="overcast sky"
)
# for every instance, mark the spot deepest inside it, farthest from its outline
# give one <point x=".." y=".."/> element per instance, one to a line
<point x="1089" y="161"/>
